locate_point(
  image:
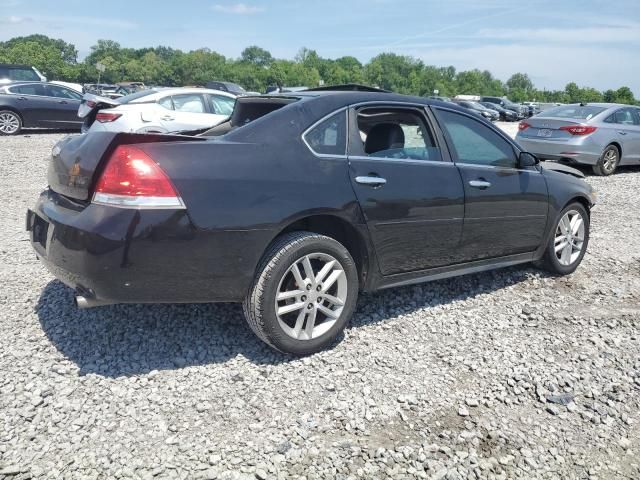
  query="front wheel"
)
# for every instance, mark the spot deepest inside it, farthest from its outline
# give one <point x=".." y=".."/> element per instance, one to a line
<point x="10" y="123"/>
<point x="304" y="293"/>
<point x="568" y="244"/>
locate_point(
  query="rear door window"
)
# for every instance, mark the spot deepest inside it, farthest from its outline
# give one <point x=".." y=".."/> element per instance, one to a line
<point x="61" y="92"/>
<point x="33" y="89"/>
<point x="329" y="137"/>
<point x="189" y="103"/>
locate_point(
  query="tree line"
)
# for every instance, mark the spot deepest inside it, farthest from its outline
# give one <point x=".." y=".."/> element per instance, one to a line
<point x="257" y="68"/>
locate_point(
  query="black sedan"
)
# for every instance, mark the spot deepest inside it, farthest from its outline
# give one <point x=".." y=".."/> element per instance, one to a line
<point x="39" y="105"/>
<point x="300" y="202"/>
<point x="505" y="114"/>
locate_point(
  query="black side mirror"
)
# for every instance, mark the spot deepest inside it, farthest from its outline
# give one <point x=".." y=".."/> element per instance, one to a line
<point x="527" y="159"/>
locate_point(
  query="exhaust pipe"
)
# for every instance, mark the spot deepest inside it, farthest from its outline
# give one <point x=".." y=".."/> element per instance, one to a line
<point x="83" y="302"/>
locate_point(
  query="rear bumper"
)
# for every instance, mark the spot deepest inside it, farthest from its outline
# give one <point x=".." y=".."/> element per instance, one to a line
<point x="579" y="152"/>
<point x="119" y="255"/>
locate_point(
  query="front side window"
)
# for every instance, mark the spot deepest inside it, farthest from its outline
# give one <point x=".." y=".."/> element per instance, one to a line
<point x="475" y="143"/>
<point x="222" y="105"/>
<point x="329" y="137"/>
<point x="396" y="133"/>
<point x="189" y="103"/>
<point x="61" y="92"/>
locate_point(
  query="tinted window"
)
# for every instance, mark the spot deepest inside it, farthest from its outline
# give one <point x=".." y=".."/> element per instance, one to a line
<point x="474" y="143"/>
<point x="61" y="92"/>
<point x="27" y="89"/>
<point x="574" y="111"/>
<point x="166" y="102"/>
<point x="23" y="74"/>
<point x="396" y="133"/>
<point x="624" y="116"/>
<point x="330" y="136"/>
<point x="189" y="103"/>
<point x="221" y="105"/>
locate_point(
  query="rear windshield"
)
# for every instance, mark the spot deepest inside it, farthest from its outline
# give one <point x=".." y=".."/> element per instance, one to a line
<point x="574" y="111"/>
<point x="134" y="96"/>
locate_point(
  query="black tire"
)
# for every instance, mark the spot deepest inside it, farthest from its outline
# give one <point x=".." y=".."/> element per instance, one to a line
<point x="260" y="304"/>
<point x="7" y="119"/>
<point x="550" y="260"/>
<point x="608" y="161"/>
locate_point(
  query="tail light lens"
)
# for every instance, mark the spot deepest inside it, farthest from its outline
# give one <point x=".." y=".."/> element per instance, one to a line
<point x="132" y="179"/>
<point x="105" y="117"/>
<point x="523" y="126"/>
<point x="579" y="129"/>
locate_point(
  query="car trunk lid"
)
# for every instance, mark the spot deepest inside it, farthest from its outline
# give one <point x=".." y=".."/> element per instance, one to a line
<point x="543" y="128"/>
<point x="77" y="160"/>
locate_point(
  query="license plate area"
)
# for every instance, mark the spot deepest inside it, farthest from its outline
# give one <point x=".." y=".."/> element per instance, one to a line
<point x="40" y="229"/>
<point x="545" y="132"/>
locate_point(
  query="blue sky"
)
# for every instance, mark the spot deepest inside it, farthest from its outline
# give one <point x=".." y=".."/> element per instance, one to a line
<point x="593" y="42"/>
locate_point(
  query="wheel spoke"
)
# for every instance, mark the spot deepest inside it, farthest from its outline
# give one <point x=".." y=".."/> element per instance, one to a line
<point x="297" y="329"/>
<point x="566" y="254"/>
<point x="311" y="323"/>
<point x="298" y="277"/>
<point x="328" y="312"/>
<point x="576" y="223"/>
<point x="289" y="294"/>
<point x="561" y="246"/>
<point x="290" y="308"/>
<point x="324" y="271"/>
<point x="308" y="270"/>
<point x="333" y="300"/>
<point x="331" y="280"/>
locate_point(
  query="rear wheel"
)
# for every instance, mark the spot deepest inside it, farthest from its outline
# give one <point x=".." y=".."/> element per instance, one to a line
<point x="608" y="161"/>
<point x="10" y="123"/>
<point x="304" y="293"/>
<point x="568" y="244"/>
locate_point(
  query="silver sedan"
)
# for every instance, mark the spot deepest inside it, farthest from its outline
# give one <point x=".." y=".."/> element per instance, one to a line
<point x="603" y="135"/>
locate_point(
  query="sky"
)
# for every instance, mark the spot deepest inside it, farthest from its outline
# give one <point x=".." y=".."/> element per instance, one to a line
<point x="591" y="42"/>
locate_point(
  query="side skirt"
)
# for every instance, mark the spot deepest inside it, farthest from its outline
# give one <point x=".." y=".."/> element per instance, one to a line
<point x="402" y="279"/>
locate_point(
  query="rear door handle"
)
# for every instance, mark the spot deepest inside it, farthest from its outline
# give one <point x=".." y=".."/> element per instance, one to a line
<point x="481" y="184"/>
<point x="168" y="118"/>
<point x="63" y="101"/>
<point x="622" y="133"/>
<point x="22" y="98"/>
<point x="371" y="181"/>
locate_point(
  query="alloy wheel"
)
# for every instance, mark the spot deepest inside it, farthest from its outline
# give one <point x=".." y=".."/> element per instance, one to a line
<point x="9" y="123"/>
<point x="311" y="296"/>
<point x="569" y="239"/>
<point x="610" y="160"/>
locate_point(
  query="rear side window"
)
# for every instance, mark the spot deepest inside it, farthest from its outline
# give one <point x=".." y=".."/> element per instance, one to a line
<point x="23" y="74"/>
<point x="221" y="105"/>
<point x="624" y="116"/>
<point x="61" y="92"/>
<point x="27" y="90"/>
<point x="166" y="103"/>
<point x="474" y="143"/>
<point x="329" y="137"/>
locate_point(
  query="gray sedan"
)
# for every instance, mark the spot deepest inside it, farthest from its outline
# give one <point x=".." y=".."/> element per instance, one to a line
<point x="603" y="135"/>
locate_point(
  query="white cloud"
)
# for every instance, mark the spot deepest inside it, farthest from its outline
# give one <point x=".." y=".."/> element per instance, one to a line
<point x="15" y="20"/>
<point x="238" y="9"/>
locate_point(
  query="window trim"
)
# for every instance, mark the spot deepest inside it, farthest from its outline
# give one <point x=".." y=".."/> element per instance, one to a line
<point x="346" y="143"/>
<point x="515" y="147"/>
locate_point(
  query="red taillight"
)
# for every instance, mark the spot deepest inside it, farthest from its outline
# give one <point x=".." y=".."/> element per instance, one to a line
<point x="579" y="129"/>
<point x="132" y="179"/>
<point x="105" y="117"/>
<point x="523" y="126"/>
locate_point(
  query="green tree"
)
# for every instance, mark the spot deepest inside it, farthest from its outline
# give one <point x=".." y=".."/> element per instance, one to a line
<point x="257" y="56"/>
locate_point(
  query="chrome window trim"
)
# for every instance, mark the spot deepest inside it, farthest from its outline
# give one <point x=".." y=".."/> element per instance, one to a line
<point x="411" y="161"/>
<point x="346" y="141"/>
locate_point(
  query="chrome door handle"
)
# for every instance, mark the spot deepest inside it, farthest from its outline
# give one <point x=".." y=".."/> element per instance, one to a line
<point x="371" y="181"/>
<point x="482" y="184"/>
<point x="167" y="118"/>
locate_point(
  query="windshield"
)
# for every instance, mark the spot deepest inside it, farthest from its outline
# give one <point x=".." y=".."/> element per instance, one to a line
<point x="134" y="96"/>
<point x="574" y="111"/>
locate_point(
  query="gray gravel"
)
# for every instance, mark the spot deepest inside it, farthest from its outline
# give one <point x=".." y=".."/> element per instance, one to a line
<point x="509" y="374"/>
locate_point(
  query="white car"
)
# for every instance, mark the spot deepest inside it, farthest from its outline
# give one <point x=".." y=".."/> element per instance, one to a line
<point x="157" y="111"/>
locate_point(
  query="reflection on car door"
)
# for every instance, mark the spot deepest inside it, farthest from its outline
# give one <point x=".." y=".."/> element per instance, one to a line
<point x="505" y="206"/>
<point x="189" y="113"/>
<point x="412" y="198"/>
<point x="62" y="106"/>
<point x="32" y="104"/>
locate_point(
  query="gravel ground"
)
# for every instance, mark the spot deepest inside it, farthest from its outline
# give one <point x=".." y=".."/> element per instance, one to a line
<point x="508" y="374"/>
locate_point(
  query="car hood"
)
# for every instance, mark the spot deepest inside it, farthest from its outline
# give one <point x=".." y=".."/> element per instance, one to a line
<point x="559" y="167"/>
